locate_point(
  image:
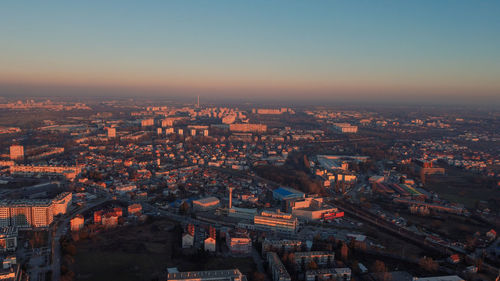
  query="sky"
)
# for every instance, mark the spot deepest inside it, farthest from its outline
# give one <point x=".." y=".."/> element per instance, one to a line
<point x="321" y="50"/>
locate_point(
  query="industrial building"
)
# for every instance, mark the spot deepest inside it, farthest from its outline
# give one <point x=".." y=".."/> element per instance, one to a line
<point x="310" y="209"/>
<point x="286" y="193"/>
<point x="242" y="213"/>
<point x="276" y="221"/>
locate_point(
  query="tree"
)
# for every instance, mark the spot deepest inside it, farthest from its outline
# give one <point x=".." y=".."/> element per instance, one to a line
<point x="258" y="276"/>
<point x="68" y="276"/>
<point x="355" y="267"/>
<point x="386" y="276"/>
<point x="184" y="207"/>
<point x="68" y="260"/>
<point x="70" y="249"/>
<point x="428" y="264"/>
<point x="312" y="265"/>
<point x="36" y="239"/>
<point x="344" y="251"/>
<point x="379" y="266"/>
<point x="479" y="263"/>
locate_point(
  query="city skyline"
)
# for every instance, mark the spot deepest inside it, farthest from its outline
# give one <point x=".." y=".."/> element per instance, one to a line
<point x="225" y="140"/>
<point x="416" y="51"/>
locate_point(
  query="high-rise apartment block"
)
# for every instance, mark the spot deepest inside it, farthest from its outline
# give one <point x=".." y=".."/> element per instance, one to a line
<point x="33" y="212"/>
<point x="111" y="132"/>
<point x="16" y="152"/>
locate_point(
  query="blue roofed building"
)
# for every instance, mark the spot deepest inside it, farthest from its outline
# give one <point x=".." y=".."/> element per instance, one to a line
<point x="286" y="193"/>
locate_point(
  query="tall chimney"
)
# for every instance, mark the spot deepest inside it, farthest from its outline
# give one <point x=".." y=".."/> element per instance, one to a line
<point x="230" y="197"/>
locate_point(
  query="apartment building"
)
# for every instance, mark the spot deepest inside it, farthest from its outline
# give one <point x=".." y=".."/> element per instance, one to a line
<point x="278" y="270"/>
<point x="321" y="258"/>
<point x="77" y="223"/>
<point x="257" y="128"/>
<point x="281" y="244"/>
<point x="35" y="212"/>
<point x="329" y="274"/>
<point x="8" y="238"/>
<point x="345" y="128"/>
<point x="69" y="172"/>
<point x="238" y="241"/>
<point x="16" y="152"/>
<point x="209" y="275"/>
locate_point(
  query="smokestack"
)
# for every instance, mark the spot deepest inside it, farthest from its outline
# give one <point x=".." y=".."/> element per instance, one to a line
<point x="198" y="101"/>
<point x="230" y="197"/>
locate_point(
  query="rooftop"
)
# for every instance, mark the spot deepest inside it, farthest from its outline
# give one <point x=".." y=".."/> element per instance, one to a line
<point x="212" y="274"/>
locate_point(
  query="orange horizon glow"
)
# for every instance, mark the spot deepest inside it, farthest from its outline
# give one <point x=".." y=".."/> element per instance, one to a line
<point x="259" y="86"/>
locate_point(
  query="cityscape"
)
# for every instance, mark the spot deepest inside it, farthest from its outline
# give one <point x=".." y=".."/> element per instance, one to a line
<point x="172" y="141"/>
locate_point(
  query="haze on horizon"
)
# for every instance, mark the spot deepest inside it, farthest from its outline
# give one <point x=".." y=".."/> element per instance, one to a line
<point x="323" y="50"/>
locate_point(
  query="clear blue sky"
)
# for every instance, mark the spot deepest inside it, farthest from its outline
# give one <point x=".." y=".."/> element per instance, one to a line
<point x="322" y="49"/>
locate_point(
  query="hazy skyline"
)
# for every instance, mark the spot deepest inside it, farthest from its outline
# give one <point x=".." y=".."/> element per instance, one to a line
<point x="332" y="50"/>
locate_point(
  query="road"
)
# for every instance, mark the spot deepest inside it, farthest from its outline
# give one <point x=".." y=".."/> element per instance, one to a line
<point x="60" y="228"/>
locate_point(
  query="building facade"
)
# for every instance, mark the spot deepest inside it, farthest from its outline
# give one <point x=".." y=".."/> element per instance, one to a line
<point x="326" y="274"/>
<point x="278" y="270"/>
<point x="77" y="223"/>
<point x="34" y="212"/>
<point x="276" y="221"/>
<point x="8" y="238"/>
<point x="239" y="242"/>
<point x="16" y="152"/>
<point x="321" y="258"/>
<point x="209" y="275"/>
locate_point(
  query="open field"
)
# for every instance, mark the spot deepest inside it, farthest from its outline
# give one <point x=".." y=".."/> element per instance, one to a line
<point x="453" y="226"/>
<point x="143" y="252"/>
<point x="462" y="192"/>
<point x="449" y="225"/>
<point x="126" y="253"/>
<point x="464" y="187"/>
